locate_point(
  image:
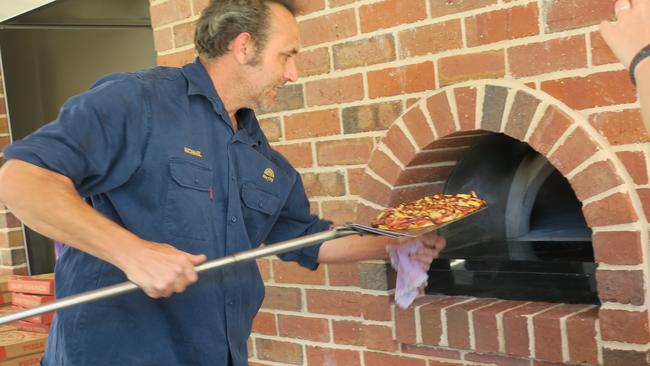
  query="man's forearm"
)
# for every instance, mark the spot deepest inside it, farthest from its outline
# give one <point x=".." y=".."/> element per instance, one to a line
<point x="354" y="248"/>
<point x="49" y="203"/>
<point x="643" y="88"/>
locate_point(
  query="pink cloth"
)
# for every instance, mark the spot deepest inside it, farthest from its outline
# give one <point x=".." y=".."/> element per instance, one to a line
<point x="410" y="276"/>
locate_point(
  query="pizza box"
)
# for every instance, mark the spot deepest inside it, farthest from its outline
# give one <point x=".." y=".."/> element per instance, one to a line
<point x="29" y="301"/>
<point x="38" y="285"/>
<point x="14" y="343"/>
<point x="32" y="327"/>
<point x="28" y="360"/>
<point x="5" y="298"/>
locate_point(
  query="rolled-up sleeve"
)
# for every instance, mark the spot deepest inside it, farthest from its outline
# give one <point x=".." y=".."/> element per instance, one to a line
<point x="98" y="139"/>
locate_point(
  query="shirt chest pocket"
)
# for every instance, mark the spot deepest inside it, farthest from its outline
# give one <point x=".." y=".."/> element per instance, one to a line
<point x="187" y="209"/>
<point x="260" y="209"/>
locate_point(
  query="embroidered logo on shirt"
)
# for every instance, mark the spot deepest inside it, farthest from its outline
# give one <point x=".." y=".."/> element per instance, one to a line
<point x="192" y="152"/>
<point x="269" y="174"/>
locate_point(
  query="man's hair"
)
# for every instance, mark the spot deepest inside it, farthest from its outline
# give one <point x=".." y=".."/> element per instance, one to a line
<point x="223" y="20"/>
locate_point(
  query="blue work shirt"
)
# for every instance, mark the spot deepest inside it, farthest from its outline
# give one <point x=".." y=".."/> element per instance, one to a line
<point x="155" y="152"/>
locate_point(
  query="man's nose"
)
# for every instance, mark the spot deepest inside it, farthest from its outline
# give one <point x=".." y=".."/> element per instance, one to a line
<point x="291" y="70"/>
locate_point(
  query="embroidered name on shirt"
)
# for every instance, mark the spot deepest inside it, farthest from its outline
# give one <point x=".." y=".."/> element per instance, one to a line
<point x="269" y="174"/>
<point x="192" y="152"/>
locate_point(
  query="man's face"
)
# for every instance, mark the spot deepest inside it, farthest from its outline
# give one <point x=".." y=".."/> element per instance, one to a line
<point x="276" y="64"/>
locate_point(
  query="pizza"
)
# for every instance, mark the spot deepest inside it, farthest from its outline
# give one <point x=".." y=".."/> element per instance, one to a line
<point x="427" y="211"/>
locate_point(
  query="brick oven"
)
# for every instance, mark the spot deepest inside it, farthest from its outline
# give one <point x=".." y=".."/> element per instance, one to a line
<point x="393" y="96"/>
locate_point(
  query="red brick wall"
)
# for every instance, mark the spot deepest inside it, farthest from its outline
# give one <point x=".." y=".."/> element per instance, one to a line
<point x="12" y="247"/>
<point x="390" y="93"/>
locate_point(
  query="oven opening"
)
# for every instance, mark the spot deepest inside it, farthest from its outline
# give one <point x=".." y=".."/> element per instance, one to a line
<point x="532" y="243"/>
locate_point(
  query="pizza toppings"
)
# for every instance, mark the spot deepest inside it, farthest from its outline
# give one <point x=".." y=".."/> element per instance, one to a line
<point x="427" y="211"/>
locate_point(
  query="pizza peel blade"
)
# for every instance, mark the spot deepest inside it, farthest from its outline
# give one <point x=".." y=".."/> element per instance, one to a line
<point x="407" y="233"/>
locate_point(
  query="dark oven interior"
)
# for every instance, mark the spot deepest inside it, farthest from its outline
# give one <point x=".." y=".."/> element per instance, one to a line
<point x="532" y="243"/>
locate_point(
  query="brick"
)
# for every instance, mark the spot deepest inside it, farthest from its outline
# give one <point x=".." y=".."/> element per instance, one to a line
<point x="309" y="6"/>
<point x="458" y="322"/>
<point x="327" y="28"/>
<point x="612" y="210"/>
<point x="299" y="155"/>
<point x="333" y="91"/>
<point x="446" y="7"/>
<point x="176" y="59"/>
<point x="431" y="319"/>
<point x="494" y="104"/>
<point x="291" y="272"/>
<point x="12" y="257"/>
<point x="347" y="332"/>
<point x="328" y="184"/>
<point x="264" y="323"/>
<point x="184" y="33"/>
<point x="582" y="337"/>
<point x="418" y="127"/>
<point x="635" y="164"/>
<point x="385" y="167"/>
<point x="644" y="195"/>
<point x="376" y="307"/>
<point x="515" y="328"/>
<point x="438" y="156"/>
<point x="616" y="357"/>
<point x="355" y="177"/>
<point x="343" y="274"/>
<point x="405" y="325"/>
<point x="162" y="38"/>
<point x="430" y="39"/>
<point x="379" y="338"/>
<point x="543" y="57"/>
<point x="440" y="110"/>
<point x="376" y="276"/>
<point x="334" y="3"/>
<point x="282" y="298"/>
<point x="264" y="266"/>
<point x="8" y="220"/>
<point x="624" y="287"/>
<point x="466" y="104"/>
<point x="4" y="124"/>
<point x="574" y="151"/>
<point x="548" y="333"/>
<point x="484" y="65"/>
<point x="332" y="356"/>
<point x="374" y="358"/>
<point x="290" y="97"/>
<point x="486" y="331"/>
<point x="199" y="5"/>
<point x="313" y="62"/>
<point x="595" y="90"/>
<point x="624" y="326"/>
<point x="369" y="51"/>
<point x="11" y="239"/>
<point x="485" y="359"/>
<point x="617" y="247"/>
<point x="432" y="352"/>
<point x="601" y="54"/>
<point x="401" y="80"/>
<point x="620" y="128"/>
<point x="411" y="193"/>
<point x="342" y="303"/>
<point x="169" y="12"/>
<point x="278" y="351"/>
<point x="272" y="128"/>
<point x="370" y="117"/>
<point x="424" y="175"/>
<point x="389" y="13"/>
<point x="570" y="14"/>
<point x="344" y="151"/>
<point x="596" y="178"/>
<point x="399" y="145"/>
<point x="549" y="129"/>
<point x="312" y="124"/>
<point x="521" y="115"/>
<point x="340" y="212"/>
<point x="500" y="25"/>
<point x="376" y="192"/>
<point x="300" y="327"/>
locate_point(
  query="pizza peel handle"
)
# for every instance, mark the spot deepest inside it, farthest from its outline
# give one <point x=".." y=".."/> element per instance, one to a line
<point x="126" y="287"/>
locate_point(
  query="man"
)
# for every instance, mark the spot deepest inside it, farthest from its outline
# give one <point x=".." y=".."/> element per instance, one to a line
<point x="177" y="171"/>
<point x="629" y="39"/>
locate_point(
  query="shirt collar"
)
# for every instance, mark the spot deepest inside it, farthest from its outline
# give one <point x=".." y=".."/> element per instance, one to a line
<point x="249" y="129"/>
<point x="200" y="83"/>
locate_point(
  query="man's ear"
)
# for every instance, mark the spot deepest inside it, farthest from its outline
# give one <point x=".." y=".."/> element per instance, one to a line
<point x="243" y="48"/>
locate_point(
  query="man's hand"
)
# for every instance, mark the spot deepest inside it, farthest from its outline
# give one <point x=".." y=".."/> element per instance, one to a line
<point x="160" y="269"/>
<point x="433" y="245"/>
<point x="630" y="32"/>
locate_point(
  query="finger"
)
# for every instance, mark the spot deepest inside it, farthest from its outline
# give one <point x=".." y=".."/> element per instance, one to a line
<point x="197" y="259"/>
<point x="622" y="5"/>
<point x="190" y="274"/>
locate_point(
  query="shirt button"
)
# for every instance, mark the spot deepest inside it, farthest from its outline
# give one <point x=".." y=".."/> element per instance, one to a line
<point x="230" y="303"/>
<point x="196" y="181"/>
<point x="261" y="204"/>
<point x="233" y="219"/>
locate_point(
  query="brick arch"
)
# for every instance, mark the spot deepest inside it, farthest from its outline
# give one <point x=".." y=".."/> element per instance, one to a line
<point x="420" y="149"/>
